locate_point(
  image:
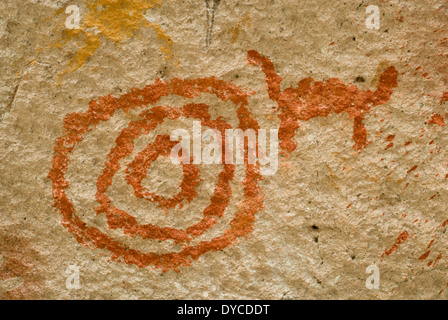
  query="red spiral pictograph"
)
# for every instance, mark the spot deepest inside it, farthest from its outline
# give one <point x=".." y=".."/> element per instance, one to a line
<point x="309" y="100"/>
<point x="162" y="147"/>
<point x="77" y="126"/>
<point x="137" y="170"/>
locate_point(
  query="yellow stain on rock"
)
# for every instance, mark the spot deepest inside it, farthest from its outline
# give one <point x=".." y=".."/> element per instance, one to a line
<point x="383" y="65"/>
<point x="115" y="20"/>
<point x="244" y="22"/>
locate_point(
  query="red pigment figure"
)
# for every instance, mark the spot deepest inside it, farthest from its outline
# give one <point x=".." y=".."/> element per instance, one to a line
<point x="309" y="100"/>
<point x="313" y="99"/>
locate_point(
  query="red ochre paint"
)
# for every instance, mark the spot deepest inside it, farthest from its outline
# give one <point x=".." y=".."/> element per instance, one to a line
<point x="147" y="122"/>
<point x="309" y="100"/>
<point x="425" y="255"/>
<point x="313" y="99"/>
<point x="77" y="125"/>
<point x="161" y="147"/>
<point x="20" y="259"/>
<point x="390" y="138"/>
<point x="412" y="169"/>
<point x="444" y="98"/>
<point x="437" y="119"/>
<point x="401" y="238"/>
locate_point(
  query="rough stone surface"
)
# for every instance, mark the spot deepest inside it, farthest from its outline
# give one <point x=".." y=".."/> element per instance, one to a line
<point x="339" y="202"/>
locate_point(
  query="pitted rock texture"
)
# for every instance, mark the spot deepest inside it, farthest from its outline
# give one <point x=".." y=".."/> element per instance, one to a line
<point x="363" y="165"/>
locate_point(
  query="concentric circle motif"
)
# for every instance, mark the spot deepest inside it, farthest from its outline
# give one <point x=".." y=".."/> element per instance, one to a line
<point x="162" y="147"/>
<point x="77" y="126"/>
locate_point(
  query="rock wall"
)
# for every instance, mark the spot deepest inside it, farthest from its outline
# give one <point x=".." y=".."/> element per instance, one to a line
<point x="93" y="208"/>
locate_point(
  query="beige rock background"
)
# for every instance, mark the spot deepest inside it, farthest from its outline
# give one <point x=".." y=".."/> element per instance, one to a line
<point x="358" y="202"/>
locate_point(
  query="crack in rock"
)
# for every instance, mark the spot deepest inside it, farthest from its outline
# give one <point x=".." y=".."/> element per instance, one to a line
<point x="11" y="101"/>
<point x="212" y="6"/>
